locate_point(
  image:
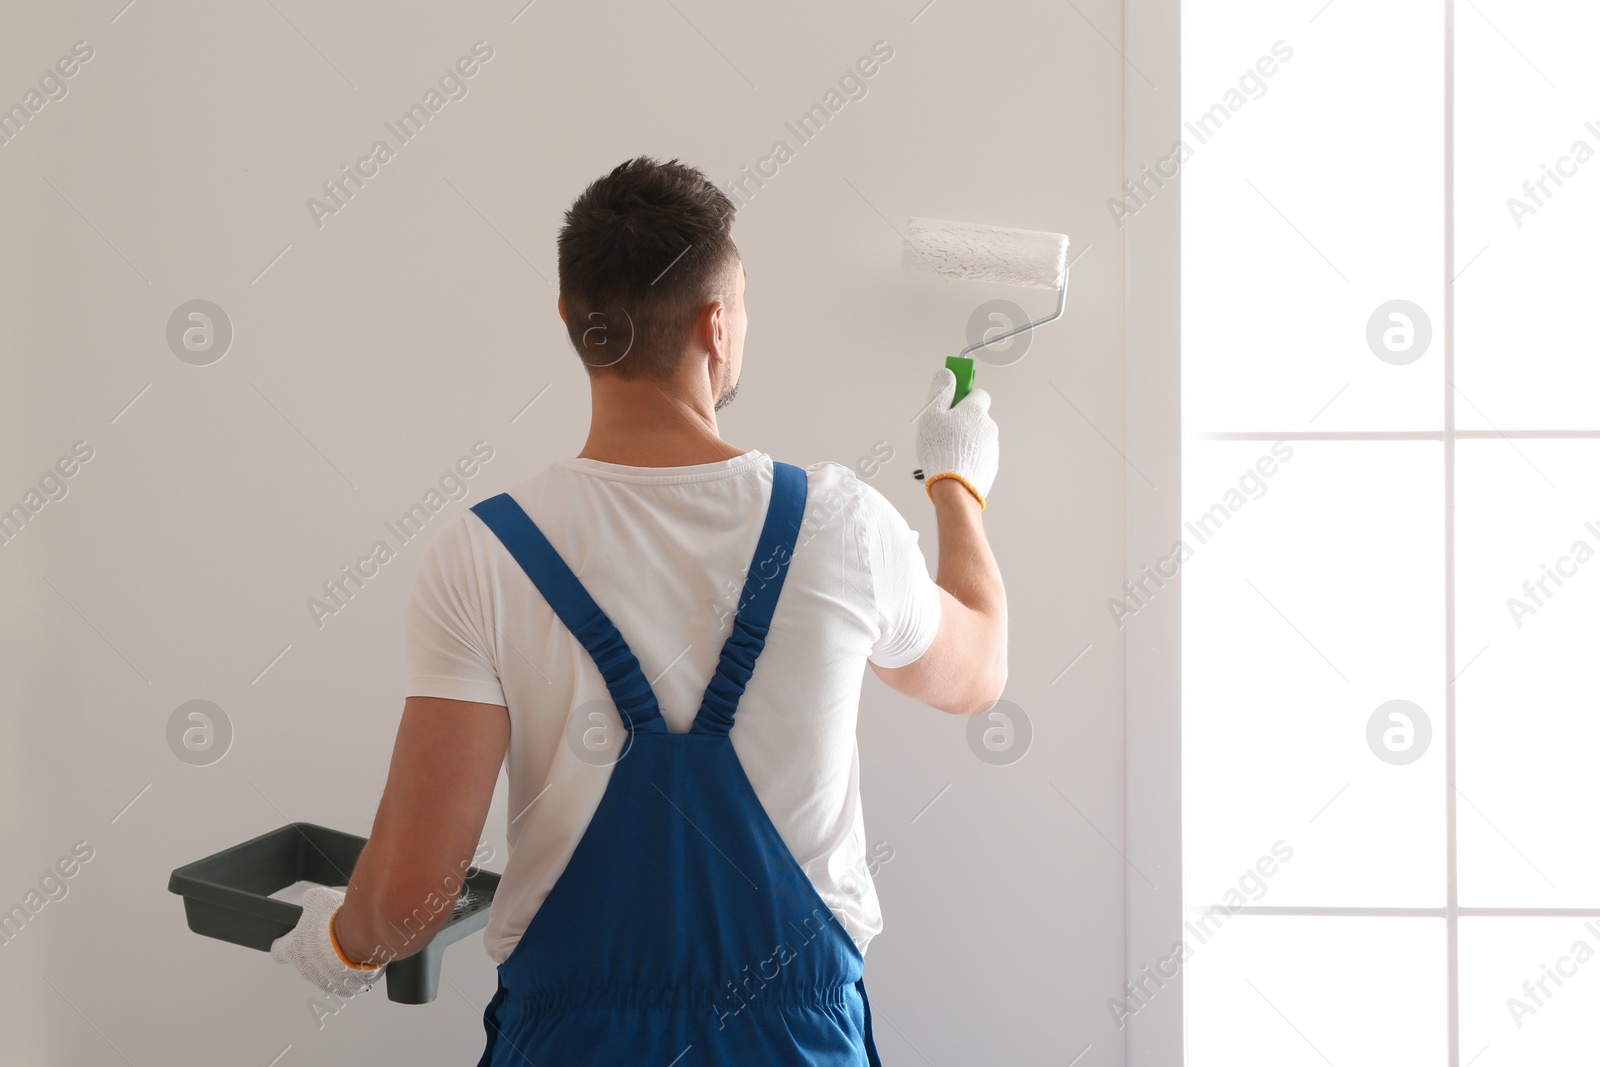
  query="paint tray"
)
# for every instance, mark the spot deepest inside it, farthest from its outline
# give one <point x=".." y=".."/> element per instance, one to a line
<point x="230" y="896"/>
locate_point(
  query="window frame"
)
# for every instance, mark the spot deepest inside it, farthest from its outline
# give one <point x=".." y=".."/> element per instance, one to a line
<point x="1152" y="525"/>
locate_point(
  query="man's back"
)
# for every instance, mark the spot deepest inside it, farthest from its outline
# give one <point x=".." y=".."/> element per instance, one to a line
<point x="664" y="551"/>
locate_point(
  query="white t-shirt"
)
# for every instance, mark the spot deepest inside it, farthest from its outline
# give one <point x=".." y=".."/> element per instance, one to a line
<point x="664" y="551"/>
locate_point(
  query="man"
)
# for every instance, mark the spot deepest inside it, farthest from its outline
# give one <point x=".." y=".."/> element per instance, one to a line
<point x="678" y="878"/>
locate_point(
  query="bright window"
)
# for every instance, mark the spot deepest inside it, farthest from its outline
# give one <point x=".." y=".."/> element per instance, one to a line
<point x="1391" y="596"/>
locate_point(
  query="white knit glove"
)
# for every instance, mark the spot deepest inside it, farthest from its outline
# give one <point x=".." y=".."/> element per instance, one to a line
<point x="959" y="442"/>
<point x="310" y="946"/>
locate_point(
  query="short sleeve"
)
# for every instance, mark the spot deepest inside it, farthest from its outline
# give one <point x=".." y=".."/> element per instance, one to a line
<point x="905" y="596"/>
<point x="446" y="652"/>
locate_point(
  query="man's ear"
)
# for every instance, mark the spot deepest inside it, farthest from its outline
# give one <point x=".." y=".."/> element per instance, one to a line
<point x="716" y="333"/>
<point x="561" y="309"/>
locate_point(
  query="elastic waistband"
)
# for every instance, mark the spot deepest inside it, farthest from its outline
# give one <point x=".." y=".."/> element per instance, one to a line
<point x="730" y="999"/>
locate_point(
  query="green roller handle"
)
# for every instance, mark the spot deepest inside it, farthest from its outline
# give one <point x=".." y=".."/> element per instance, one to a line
<point x="962" y="367"/>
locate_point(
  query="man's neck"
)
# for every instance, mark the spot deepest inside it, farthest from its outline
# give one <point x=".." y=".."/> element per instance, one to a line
<point x="658" y="452"/>
<point x="639" y="424"/>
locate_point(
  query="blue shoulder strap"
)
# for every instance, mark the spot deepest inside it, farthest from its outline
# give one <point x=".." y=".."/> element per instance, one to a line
<point x="763" y="582"/>
<point x="630" y="691"/>
<point x="635" y="700"/>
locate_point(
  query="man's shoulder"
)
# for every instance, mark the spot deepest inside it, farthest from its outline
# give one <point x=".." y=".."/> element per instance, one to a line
<point x="839" y="492"/>
<point x="525" y="490"/>
<point x="460" y="530"/>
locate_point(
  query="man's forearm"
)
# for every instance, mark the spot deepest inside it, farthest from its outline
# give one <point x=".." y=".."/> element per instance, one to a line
<point x="967" y="567"/>
<point x="370" y="932"/>
<point x="447" y="756"/>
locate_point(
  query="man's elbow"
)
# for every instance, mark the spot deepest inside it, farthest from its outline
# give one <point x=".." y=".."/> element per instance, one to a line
<point x="411" y="917"/>
<point x="991" y="671"/>
<point x="986" y="695"/>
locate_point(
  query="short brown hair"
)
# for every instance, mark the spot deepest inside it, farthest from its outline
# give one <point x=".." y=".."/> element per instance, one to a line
<point x="641" y="252"/>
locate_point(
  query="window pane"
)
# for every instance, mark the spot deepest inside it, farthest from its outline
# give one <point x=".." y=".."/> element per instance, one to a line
<point x="1313" y="197"/>
<point x="1527" y="636"/>
<point x="1552" y="1019"/>
<point x="1306" y="992"/>
<point x="1529" y="211"/>
<point x="1313" y="596"/>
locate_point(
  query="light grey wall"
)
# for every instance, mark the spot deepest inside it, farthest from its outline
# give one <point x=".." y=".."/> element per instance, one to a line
<point x="1151" y="698"/>
<point x="368" y="354"/>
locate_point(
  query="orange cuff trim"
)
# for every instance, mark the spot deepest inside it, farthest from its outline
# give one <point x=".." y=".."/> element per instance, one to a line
<point x="334" y="938"/>
<point x="983" y="505"/>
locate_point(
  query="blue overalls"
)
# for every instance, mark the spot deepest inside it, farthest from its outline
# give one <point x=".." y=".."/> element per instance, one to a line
<point x="682" y="933"/>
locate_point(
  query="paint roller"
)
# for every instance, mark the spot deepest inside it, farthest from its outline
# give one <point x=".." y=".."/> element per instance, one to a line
<point x="1031" y="258"/>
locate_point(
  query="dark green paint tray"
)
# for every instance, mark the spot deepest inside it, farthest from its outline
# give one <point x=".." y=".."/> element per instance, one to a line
<point x="228" y="896"/>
